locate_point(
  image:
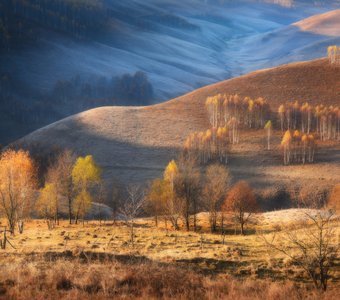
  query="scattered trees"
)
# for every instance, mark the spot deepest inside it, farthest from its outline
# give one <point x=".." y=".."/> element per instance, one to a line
<point x="248" y="112"/>
<point x="320" y="119"/>
<point x="17" y="185"/>
<point x="298" y="148"/>
<point x="241" y="201"/>
<point x="216" y="182"/>
<point x="333" y="53"/>
<point x="212" y="144"/>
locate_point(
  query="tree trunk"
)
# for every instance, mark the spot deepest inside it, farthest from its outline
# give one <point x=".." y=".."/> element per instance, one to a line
<point x="21" y="226"/>
<point x="70" y="210"/>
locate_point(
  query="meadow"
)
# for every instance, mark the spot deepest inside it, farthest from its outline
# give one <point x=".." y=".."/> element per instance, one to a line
<point x="98" y="261"/>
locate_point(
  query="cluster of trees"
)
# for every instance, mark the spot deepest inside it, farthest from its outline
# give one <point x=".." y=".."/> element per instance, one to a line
<point x="19" y="19"/>
<point x="67" y="181"/>
<point x="298" y="147"/>
<point x="225" y="110"/>
<point x="79" y="94"/>
<point x="321" y="119"/>
<point x="184" y="191"/>
<point x="212" y="144"/>
<point x="333" y="53"/>
<point x="29" y="109"/>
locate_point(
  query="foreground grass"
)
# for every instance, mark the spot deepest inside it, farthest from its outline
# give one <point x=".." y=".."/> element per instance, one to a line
<point x="79" y="278"/>
<point x="97" y="261"/>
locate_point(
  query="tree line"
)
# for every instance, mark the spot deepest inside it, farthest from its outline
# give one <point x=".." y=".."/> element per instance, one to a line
<point x="67" y="180"/>
<point x="301" y="124"/>
<point x="319" y="119"/>
<point x="19" y="19"/>
<point x="68" y="97"/>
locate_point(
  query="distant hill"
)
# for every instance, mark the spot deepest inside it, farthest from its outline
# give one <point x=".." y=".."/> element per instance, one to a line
<point x="133" y="144"/>
<point x="61" y="57"/>
<point x="325" y="24"/>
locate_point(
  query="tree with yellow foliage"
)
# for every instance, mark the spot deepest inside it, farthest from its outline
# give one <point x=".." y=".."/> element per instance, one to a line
<point x="17" y="185"/>
<point x="156" y="198"/>
<point x="85" y="174"/>
<point x="286" y="144"/>
<point x="47" y="204"/>
<point x="281" y="112"/>
<point x="172" y="203"/>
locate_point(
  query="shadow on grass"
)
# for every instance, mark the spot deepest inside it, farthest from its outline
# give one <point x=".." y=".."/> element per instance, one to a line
<point x="89" y="256"/>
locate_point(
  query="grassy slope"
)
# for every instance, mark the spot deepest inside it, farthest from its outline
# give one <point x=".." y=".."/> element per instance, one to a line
<point x="135" y="143"/>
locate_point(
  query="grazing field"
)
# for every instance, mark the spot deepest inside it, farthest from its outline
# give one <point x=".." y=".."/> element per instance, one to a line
<point x="97" y="261"/>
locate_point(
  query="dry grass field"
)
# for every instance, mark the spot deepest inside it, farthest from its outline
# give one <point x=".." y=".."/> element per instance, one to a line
<point x="97" y="261"/>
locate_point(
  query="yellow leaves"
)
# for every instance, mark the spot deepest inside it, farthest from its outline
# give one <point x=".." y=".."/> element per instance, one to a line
<point x="17" y="178"/>
<point x="171" y="171"/>
<point x="287" y="137"/>
<point x="281" y="109"/>
<point x="304" y="138"/>
<point x="46" y="204"/>
<point x="296" y="134"/>
<point x="268" y="125"/>
<point x="82" y="203"/>
<point x="250" y="105"/>
<point x="86" y="171"/>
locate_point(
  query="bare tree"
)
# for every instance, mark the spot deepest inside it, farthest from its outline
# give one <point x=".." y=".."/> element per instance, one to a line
<point x="132" y="207"/>
<point x="216" y="182"/>
<point x="187" y="188"/>
<point x="311" y="244"/>
<point x="60" y="174"/>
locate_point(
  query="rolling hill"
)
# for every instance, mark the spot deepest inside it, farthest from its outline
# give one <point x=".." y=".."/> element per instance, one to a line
<point x="133" y="144"/>
<point x="54" y="64"/>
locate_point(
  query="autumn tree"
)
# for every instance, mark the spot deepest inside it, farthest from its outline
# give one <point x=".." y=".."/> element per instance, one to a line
<point x="85" y="175"/>
<point x="241" y="201"/>
<point x="17" y="185"/>
<point x="155" y="201"/>
<point x="60" y="175"/>
<point x="47" y="204"/>
<point x="268" y="127"/>
<point x="172" y="205"/>
<point x="281" y="112"/>
<point x="216" y="181"/>
<point x="286" y="145"/>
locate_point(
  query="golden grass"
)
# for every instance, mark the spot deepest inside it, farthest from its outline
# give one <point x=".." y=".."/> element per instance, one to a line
<point x="238" y="256"/>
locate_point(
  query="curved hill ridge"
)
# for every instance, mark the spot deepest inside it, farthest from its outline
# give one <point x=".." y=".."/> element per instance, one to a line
<point x="325" y="24"/>
<point x="135" y="143"/>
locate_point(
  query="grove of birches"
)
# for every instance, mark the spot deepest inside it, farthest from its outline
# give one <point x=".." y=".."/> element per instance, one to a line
<point x="303" y="126"/>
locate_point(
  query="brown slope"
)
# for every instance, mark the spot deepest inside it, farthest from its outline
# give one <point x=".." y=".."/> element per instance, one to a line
<point x="135" y="143"/>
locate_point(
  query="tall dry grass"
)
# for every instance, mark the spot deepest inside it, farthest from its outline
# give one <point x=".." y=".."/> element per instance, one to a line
<point x="73" y="278"/>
